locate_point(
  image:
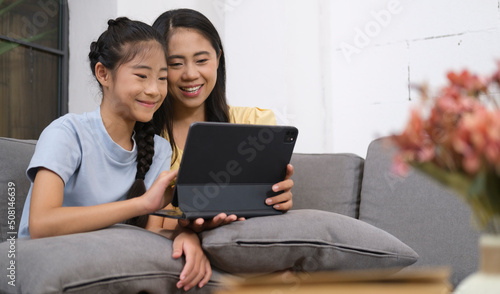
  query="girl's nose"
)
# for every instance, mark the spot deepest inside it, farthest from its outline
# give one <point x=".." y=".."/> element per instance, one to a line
<point x="152" y="88"/>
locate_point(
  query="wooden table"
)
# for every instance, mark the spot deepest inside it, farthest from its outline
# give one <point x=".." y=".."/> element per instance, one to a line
<point x="409" y="281"/>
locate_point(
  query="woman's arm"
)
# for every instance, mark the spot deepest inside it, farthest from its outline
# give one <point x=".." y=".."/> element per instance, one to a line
<point x="49" y="218"/>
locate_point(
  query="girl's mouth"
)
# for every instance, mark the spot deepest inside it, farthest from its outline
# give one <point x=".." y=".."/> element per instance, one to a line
<point x="148" y="104"/>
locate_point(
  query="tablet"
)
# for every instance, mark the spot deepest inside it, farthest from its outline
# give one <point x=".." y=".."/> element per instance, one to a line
<point x="230" y="168"/>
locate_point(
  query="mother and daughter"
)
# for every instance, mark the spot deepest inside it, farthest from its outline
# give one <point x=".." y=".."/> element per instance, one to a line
<point x="113" y="165"/>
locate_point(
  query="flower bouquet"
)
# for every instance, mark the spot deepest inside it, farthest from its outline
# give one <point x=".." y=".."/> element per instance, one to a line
<point x="454" y="137"/>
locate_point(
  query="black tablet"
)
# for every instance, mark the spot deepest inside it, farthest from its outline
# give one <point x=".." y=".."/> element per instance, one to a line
<point x="231" y="168"/>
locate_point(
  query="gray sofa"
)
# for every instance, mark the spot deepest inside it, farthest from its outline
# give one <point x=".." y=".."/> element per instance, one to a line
<point x="349" y="213"/>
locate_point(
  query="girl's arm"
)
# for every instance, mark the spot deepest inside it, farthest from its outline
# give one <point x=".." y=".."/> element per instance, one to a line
<point x="197" y="270"/>
<point x="49" y="218"/>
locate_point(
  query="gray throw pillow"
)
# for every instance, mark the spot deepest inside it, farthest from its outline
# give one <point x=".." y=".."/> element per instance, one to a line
<point x="303" y="240"/>
<point x="119" y="259"/>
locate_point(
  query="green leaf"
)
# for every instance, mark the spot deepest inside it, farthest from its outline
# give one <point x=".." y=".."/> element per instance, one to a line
<point x="478" y="185"/>
<point x="481" y="192"/>
<point x="458" y="181"/>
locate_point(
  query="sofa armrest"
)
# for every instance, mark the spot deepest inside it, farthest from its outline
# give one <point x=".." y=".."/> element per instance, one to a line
<point x="14" y="185"/>
<point x="420" y="212"/>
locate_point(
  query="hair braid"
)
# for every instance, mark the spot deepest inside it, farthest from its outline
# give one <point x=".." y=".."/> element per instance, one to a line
<point x="145" y="147"/>
<point x="144" y="137"/>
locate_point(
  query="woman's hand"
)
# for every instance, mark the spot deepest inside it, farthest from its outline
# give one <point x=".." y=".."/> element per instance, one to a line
<point x="284" y="200"/>
<point x="197" y="270"/>
<point x="200" y="224"/>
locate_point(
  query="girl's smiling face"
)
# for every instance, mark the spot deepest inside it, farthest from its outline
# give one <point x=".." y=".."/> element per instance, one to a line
<point x="136" y="89"/>
<point x="192" y="68"/>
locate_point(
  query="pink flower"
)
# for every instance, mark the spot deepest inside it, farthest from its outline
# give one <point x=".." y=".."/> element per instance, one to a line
<point x="460" y="133"/>
<point x="472" y="84"/>
<point x="460" y="138"/>
<point x="399" y="166"/>
<point x="496" y="76"/>
<point x="414" y="142"/>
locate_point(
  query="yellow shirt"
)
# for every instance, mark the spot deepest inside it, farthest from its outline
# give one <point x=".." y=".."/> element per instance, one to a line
<point x="239" y="115"/>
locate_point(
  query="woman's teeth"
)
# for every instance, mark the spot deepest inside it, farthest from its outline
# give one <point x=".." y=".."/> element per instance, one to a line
<point x="192" y="89"/>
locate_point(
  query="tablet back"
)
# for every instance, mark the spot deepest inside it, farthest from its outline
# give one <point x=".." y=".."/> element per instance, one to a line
<point x="231" y="168"/>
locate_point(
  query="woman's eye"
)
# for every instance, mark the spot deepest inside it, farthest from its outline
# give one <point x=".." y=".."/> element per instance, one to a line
<point x="163" y="78"/>
<point x="202" y="60"/>
<point x="141" y="76"/>
<point x="177" y="64"/>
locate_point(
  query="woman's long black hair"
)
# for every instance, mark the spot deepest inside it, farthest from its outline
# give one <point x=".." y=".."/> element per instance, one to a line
<point x="216" y="108"/>
<point x="120" y="43"/>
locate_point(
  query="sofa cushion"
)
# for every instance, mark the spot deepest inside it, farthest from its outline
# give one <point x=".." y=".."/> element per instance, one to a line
<point x="329" y="182"/>
<point x="119" y="259"/>
<point x="304" y="240"/>
<point x="420" y="212"/>
<point x="15" y="156"/>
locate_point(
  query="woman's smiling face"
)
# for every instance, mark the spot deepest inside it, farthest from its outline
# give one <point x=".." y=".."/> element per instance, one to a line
<point x="192" y="68"/>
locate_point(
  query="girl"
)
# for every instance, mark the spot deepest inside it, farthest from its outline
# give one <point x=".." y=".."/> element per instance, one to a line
<point x="91" y="171"/>
<point x="197" y="92"/>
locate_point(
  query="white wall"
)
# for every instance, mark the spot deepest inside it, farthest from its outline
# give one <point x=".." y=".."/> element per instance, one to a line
<point x="85" y="26"/>
<point x="337" y="70"/>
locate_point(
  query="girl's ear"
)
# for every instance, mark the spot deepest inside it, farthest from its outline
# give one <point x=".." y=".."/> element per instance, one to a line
<point x="102" y="74"/>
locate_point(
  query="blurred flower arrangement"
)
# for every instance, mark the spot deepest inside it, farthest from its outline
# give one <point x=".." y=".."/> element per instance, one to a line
<point x="454" y="137"/>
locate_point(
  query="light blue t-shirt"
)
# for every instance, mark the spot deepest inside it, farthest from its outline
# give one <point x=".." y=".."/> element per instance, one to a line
<point x="95" y="169"/>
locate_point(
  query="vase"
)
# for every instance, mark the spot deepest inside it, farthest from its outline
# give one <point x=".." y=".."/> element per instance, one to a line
<point x="487" y="279"/>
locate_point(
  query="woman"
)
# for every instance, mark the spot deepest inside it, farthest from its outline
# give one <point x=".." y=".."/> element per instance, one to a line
<point x="197" y="92"/>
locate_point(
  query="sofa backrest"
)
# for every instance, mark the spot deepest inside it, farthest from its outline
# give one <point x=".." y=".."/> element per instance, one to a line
<point x="329" y="182"/>
<point x="15" y="156"/>
<point x="423" y="214"/>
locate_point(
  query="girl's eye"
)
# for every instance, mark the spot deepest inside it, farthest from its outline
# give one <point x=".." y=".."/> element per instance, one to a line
<point x="163" y="78"/>
<point x="177" y="64"/>
<point x="141" y="76"/>
<point x="202" y="60"/>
